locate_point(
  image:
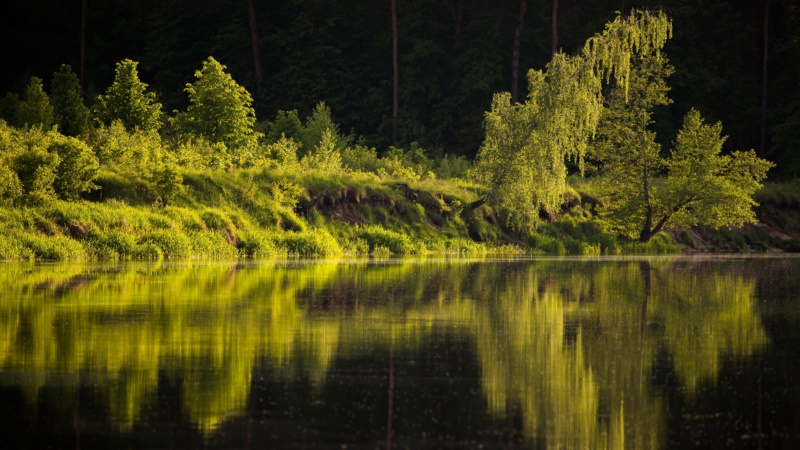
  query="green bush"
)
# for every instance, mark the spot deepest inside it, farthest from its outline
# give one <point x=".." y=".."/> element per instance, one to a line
<point x="540" y="243"/>
<point x="259" y="244"/>
<point x="211" y="244"/>
<point x="314" y="242"/>
<point x="216" y="220"/>
<point x="376" y="236"/>
<point x="13" y="249"/>
<point x="36" y="169"/>
<point x="55" y="248"/>
<point x="286" y="126"/>
<point x="171" y="243"/>
<point x="166" y="182"/>
<point x="10" y="185"/>
<point x="77" y="167"/>
<point x="453" y="167"/>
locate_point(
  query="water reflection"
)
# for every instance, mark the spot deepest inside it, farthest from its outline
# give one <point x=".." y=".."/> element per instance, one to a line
<point x="566" y="350"/>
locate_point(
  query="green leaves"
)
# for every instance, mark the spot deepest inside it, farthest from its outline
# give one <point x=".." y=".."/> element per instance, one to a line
<point x="522" y="159"/>
<point x="40" y="166"/>
<point x="70" y="114"/>
<point x="35" y="107"/>
<point x="220" y="110"/>
<point x="127" y="100"/>
<point x="705" y="187"/>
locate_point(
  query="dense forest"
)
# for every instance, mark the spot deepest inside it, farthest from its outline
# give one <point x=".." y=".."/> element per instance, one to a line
<point x="735" y="61"/>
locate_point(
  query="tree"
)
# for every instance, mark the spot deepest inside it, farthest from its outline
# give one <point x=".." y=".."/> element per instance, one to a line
<point x="762" y="143"/>
<point x="702" y="186"/>
<point x="554" y="28"/>
<point x="35" y="107"/>
<point x="705" y="187"/>
<point x="626" y="150"/>
<point x="71" y="115"/>
<point x="395" y="75"/>
<point x="287" y="124"/>
<point x="127" y="100"/>
<point x="251" y="15"/>
<point x="522" y="159"/>
<point x="515" y="61"/>
<point x="326" y="157"/>
<point x="219" y="109"/>
<point x="316" y="124"/>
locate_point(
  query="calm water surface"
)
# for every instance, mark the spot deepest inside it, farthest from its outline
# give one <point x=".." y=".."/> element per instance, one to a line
<point x="558" y="353"/>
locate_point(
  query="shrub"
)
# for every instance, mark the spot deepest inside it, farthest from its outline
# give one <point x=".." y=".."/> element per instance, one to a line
<point x="315" y="242"/>
<point x="131" y="152"/>
<point x="166" y="183"/>
<point x="380" y="237"/>
<point x="216" y="220"/>
<point x="171" y="243"/>
<point x="10" y="185"/>
<point x="77" y="167"/>
<point x="36" y="169"/>
<point x="56" y="248"/>
<point x="540" y="243"/>
<point x="281" y="153"/>
<point x="359" y="158"/>
<point x="453" y="167"/>
<point x="258" y="244"/>
<point x="213" y="244"/>
<point x="326" y="157"/>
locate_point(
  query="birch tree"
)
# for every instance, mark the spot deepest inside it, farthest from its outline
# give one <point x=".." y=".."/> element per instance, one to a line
<point x="522" y="159"/>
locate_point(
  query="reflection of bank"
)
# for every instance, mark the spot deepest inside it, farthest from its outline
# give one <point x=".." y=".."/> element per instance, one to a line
<point x="566" y="349"/>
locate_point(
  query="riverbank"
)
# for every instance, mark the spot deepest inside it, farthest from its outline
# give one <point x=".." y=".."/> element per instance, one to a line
<point x="273" y="213"/>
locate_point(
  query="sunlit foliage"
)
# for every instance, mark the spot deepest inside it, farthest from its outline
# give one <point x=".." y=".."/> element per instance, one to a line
<point x="127" y="100"/>
<point x="522" y="159"/>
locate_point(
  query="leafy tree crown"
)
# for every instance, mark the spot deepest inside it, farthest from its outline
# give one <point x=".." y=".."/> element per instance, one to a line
<point x="127" y="100"/>
<point x="70" y="113"/>
<point x="219" y="109"/>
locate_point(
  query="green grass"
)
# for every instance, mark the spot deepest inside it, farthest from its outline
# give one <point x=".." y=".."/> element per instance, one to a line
<point x="269" y="214"/>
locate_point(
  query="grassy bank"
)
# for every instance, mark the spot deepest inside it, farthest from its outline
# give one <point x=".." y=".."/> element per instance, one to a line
<point x="275" y="213"/>
<point x="120" y="195"/>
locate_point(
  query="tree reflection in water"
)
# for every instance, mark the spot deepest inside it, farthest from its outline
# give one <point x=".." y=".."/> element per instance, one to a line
<point x="565" y="348"/>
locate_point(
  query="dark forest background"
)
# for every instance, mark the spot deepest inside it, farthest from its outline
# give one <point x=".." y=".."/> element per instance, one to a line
<point x="452" y="54"/>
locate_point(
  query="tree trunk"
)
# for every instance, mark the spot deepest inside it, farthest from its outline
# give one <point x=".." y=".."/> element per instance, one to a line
<point x="555" y="28"/>
<point x="83" y="48"/>
<point x="457" y="11"/>
<point x="762" y="147"/>
<point x="515" y="62"/>
<point x="396" y="74"/>
<point x="251" y="12"/>
<point x="647" y="228"/>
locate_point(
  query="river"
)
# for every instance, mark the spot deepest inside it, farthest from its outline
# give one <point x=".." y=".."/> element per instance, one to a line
<point x="650" y="352"/>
